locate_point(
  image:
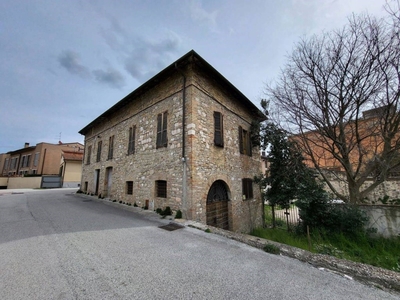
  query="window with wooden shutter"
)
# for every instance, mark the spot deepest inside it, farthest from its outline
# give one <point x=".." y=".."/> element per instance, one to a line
<point x="244" y="142"/>
<point x="110" y="147"/>
<point x="98" y="156"/>
<point x="247" y="188"/>
<point x="162" y="122"/>
<point x="131" y="142"/>
<point x="218" y="129"/>
<point x="89" y="153"/>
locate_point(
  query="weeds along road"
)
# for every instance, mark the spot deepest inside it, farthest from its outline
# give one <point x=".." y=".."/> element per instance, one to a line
<point x="55" y="244"/>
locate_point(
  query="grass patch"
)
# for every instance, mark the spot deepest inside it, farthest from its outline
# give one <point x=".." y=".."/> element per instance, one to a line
<point x="376" y="251"/>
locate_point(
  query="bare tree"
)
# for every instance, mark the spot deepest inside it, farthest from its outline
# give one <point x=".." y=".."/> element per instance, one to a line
<point x="327" y="84"/>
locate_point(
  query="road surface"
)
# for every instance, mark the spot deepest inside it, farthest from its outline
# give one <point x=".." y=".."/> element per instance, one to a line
<point x="55" y="244"/>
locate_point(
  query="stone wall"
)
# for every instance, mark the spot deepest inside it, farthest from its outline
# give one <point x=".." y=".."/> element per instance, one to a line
<point x="390" y="188"/>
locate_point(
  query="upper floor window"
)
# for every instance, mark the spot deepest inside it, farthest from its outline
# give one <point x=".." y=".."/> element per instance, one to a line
<point x="218" y="129"/>
<point x="110" y="147"/>
<point x="131" y="142"/>
<point x="28" y="160"/>
<point x="162" y="139"/>
<point x="22" y="165"/>
<point x="6" y="162"/>
<point x="36" y="159"/>
<point x="89" y="154"/>
<point x="98" y="156"/>
<point x="244" y="142"/>
<point x="247" y="188"/>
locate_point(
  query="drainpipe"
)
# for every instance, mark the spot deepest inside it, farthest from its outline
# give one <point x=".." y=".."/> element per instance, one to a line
<point x="184" y="162"/>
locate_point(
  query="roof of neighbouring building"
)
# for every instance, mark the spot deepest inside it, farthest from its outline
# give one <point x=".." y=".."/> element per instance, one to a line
<point x="70" y="155"/>
<point x="191" y="56"/>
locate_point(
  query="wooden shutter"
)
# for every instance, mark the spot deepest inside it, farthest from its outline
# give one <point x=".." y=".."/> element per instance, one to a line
<point x="164" y="130"/>
<point x="159" y="131"/>
<point x="218" y="129"/>
<point x="241" y="140"/>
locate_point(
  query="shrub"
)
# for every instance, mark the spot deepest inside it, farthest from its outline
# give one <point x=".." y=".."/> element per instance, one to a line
<point x="167" y="211"/>
<point x="135" y="205"/>
<point x="178" y="215"/>
<point x="159" y="211"/>
<point x="271" y="249"/>
<point x="318" y="212"/>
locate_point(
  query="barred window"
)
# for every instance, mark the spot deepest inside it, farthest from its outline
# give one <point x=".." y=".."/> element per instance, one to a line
<point x="98" y="156"/>
<point x="162" y="139"/>
<point x="218" y="129"/>
<point x="131" y="142"/>
<point x="244" y="142"/>
<point x="247" y="188"/>
<point x="129" y="187"/>
<point x="161" y="188"/>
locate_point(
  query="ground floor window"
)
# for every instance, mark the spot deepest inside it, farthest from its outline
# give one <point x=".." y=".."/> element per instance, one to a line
<point x="247" y="188"/>
<point x="129" y="187"/>
<point x="161" y="188"/>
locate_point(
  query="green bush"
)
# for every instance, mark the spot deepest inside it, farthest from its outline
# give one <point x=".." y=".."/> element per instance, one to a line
<point x="159" y="211"/>
<point x="318" y="212"/>
<point x="178" y="215"/>
<point x="271" y="249"/>
<point x="167" y="211"/>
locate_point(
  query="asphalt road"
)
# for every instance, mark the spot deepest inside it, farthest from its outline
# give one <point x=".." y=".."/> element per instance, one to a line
<point x="58" y="245"/>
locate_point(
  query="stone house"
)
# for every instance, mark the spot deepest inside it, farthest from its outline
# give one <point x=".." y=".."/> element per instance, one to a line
<point x="183" y="140"/>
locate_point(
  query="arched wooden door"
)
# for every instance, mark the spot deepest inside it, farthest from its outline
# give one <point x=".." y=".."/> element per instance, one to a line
<point x="217" y="205"/>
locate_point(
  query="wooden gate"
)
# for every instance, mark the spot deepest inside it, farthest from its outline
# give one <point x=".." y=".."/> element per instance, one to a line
<point x="217" y="205"/>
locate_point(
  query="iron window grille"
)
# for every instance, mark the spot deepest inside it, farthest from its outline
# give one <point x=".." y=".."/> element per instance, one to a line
<point x="129" y="187"/>
<point x="161" y="188"/>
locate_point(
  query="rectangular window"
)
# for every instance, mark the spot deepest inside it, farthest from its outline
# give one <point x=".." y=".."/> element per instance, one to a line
<point x="247" y="188"/>
<point x="161" y="188"/>
<point x="162" y="139"/>
<point x="218" y="129"/>
<point x="244" y="142"/>
<point x="14" y="163"/>
<point x="36" y="159"/>
<point x="98" y="156"/>
<point x="129" y="187"/>
<point x="23" y="164"/>
<point x="28" y="160"/>
<point x="89" y="154"/>
<point x="131" y="142"/>
<point x="5" y="168"/>
<point x="110" y="147"/>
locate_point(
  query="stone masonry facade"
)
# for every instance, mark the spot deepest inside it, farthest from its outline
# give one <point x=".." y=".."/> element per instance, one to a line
<point x="189" y="172"/>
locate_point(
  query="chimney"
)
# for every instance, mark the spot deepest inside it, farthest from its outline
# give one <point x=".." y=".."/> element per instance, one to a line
<point x="26" y="145"/>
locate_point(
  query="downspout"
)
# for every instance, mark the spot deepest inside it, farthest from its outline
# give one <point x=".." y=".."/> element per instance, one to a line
<point x="184" y="161"/>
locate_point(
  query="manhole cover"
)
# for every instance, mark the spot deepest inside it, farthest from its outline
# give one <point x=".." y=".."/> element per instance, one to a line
<point x="171" y="226"/>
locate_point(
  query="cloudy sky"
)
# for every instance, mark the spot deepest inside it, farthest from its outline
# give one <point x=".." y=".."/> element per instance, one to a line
<point x="63" y="63"/>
